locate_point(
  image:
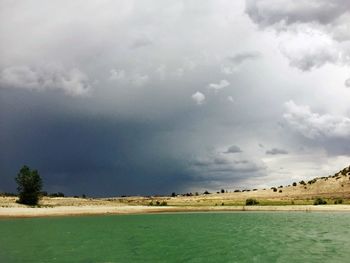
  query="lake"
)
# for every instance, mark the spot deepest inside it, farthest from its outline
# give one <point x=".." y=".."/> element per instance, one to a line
<point x="183" y="237"/>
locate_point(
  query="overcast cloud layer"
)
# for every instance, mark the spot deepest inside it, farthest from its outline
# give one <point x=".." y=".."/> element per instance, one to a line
<point x="150" y="97"/>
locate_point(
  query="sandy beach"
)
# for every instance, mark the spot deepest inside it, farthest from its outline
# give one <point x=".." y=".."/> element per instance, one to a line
<point x="18" y="212"/>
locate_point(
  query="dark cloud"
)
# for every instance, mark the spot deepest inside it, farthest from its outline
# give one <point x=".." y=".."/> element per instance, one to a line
<point x="269" y="12"/>
<point x="276" y="151"/>
<point x="347" y="83"/>
<point x="233" y="149"/>
<point x="141" y="42"/>
<point x="239" y="58"/>
<point x="80" y="153"/>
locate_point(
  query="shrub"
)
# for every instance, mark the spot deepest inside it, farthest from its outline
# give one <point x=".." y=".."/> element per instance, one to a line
<point x="302" y="182"/>
<point x="312" y="181"/>
<point x="274" y="189"/>
<point x="320" y="201"/>
<point x="280" y="191"/>
<point x="338" y="201"/>
<point x="237" y="191"/>
<point x="29" y="186"/>
<point x="206" y="192"/>
<point x="173" y="194"/>
<point x="163" y="203"/>
<point x="294" y="184"/>
<point x="59" y="194"/>
<point x="251" y="201"/>
<point x="222" y="191"/>
<point x="8" y="194"/>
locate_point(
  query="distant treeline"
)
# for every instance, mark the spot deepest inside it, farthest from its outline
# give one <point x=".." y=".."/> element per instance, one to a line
<point x="8" y="194"/>
<point x="43" y="193"/>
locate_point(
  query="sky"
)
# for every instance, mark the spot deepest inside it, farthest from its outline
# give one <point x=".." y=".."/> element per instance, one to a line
<point x="111" y="98"/>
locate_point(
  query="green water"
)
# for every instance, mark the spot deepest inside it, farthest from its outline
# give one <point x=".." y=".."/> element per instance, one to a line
<point x="196" y="237"/>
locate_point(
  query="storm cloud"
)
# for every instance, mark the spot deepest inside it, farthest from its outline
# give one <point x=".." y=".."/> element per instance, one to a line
<point x="128" y="97"/>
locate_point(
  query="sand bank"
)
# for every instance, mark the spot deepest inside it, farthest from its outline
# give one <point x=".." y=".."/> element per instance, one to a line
<point x="13" y="212"/>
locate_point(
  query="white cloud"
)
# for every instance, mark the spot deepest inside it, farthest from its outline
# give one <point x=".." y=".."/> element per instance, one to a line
<point x="139" y="79"/>
<point x="117" y="74"/>
<point x="190" y="64"/>
<point x="311" y="32"/>
<point x="218" y="86"/>
<point x="313" y="125"/>
<point x="198" y="97"/>
<point x="179" y="72"/>
<point x="228" y="70"/>
<point x="72" y="82"/>
<point x="230" y="99"/>
<point x="309" y="48"/>
<point x="161" y="71"/>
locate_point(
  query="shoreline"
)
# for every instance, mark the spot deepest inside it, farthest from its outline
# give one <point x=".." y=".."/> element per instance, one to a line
<point x="28" y="212"/>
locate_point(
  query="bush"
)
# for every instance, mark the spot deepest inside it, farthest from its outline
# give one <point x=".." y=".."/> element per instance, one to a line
<point x="173" y="194"/>
<point x="320" y="201"/>
<point x="29" y="186"/>
<point x="251" y="201"/>
<point x="237" y="191"/>
<point x="274" y="189"/>
<point x="8" y="194"/>
<point x="206" y="192"/>
<point x="59" y="194"/>
<point x="294" y="184"/>
<point x="338" y="201"/>
<point x="302" y="182"/>
<point x="163" y="203"/>
<point x="312" y="181"/>
<point x="280" y="191"/>
<point x="222" y="191"/>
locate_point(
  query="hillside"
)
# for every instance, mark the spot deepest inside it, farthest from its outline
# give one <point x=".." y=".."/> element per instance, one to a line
<point x="331" y="188"/>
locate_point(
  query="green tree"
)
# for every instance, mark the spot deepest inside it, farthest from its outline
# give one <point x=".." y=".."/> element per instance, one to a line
<point x="251" y="201"/>
<point x="29" y="186"/>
